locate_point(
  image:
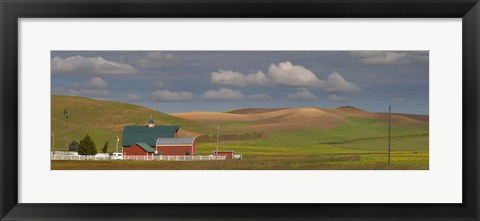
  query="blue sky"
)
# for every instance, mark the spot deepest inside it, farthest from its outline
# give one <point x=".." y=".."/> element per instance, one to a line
<point x="182" y="81"/>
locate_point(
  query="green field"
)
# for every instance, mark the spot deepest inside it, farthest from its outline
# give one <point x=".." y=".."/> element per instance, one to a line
<point x="347" y="161"/>
<point x="357" y="144"/>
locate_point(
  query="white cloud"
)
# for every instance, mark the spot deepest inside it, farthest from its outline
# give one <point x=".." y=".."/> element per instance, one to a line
<point x="336" y="83"/>
<point x="232" y="78"/>
<point x="134" y="97"/>
<point x="285" y="73"/>
<point x="89" y="65"/>
<point x="166" y="95"/>
<point x="155" y="60"/>
<point x="391" y="57"/>
<point x="95" y="87"/>
<point x="406" y="100"/>
<point x="96" y="83"/>
<point x="223" y="94"/>
<point x="302" y="94"/>
<point x="336" y="98"/>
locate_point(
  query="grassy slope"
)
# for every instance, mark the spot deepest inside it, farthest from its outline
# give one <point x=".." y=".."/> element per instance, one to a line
<point x="357" y="134"/>
<point x="102" y="119"/>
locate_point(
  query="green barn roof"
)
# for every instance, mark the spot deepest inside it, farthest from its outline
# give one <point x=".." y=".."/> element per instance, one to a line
<point x="144" y="134"/>
<point x="145" y="147"/>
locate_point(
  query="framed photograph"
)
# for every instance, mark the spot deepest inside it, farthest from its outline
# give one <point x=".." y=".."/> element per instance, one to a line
<point x="177" y="110"/>
<point x="283" y="116"/>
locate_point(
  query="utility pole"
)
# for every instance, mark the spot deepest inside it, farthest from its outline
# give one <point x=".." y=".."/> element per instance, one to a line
<point x="389" y="124"/>
<point x="66" y="113"/>
<point x="218" y="133"/>
<point x="116" y="147"/>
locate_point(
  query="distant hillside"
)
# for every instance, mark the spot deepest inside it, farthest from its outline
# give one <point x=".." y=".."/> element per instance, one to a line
<point x="102" y="119"/>
<point x="280" y="119"/>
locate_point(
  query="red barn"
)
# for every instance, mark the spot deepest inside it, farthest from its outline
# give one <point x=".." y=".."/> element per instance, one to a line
<point x="138" y="149"/>
<point x="229" y="154"/>
<point x="176" y="146"/>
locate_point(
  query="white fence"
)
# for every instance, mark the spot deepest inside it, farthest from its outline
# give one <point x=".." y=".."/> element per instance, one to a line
<point x="161" y="157"/>
<point x="69" y="153"/>
<point x="177" y="158"/>
<point x="78" y="157"/>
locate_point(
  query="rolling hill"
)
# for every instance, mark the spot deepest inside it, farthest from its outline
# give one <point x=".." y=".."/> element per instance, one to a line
<point x="103" y="119"/>
<point x="281" y="119"/>
<point x="317" y="130"/>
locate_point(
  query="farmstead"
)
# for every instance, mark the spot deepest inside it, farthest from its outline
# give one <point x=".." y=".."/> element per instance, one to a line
<point x="153" y="140"/>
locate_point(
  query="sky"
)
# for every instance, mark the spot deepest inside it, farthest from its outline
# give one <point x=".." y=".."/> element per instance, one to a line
<point x="184" y="81"/>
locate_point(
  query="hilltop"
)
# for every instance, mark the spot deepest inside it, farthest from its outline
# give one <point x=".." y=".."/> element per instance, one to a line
<point x="279" y="119"/>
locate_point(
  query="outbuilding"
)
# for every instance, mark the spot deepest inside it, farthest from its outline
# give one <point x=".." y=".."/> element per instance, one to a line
<point x="229" y="154"/>
<point x="138" y="149"/>
<point x="176" y="146"/>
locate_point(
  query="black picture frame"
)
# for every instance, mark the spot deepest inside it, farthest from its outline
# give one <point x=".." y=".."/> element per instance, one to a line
<point x="12" y="10"/>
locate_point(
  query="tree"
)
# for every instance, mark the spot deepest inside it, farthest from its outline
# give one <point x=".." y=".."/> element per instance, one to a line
<point x="105" y="148"/>
<point x="73" y="146"/>
<point x="87" y="146"/>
